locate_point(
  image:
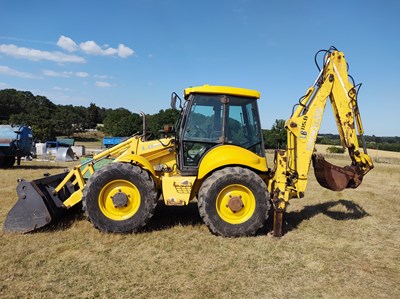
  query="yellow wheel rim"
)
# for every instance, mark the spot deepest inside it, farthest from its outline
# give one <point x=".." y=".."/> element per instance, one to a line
<point x="235" y="214"/>
<point x="130" y="193"/>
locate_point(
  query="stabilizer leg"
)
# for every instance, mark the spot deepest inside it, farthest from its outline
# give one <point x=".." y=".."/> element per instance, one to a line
<point x="278" y="223"/>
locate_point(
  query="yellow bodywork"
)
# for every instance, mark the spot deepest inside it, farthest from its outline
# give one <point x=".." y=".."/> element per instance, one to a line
<point x="226" y="155"/>
<point x="226" y="90"/>
<point x="177" y="189"/>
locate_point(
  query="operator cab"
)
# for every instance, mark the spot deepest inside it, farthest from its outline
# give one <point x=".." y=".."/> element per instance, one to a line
<point x="213" y="116"/>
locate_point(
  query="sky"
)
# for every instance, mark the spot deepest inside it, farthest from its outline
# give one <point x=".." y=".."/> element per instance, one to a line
<point x="134" y="54"/>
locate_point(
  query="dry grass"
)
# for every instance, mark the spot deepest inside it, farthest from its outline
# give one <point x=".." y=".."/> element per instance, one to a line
<point x="376" y="155"/>
<point x="339" y="245"/>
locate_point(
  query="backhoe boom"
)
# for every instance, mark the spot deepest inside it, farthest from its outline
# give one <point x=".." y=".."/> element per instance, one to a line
<point x="290" y="177"/>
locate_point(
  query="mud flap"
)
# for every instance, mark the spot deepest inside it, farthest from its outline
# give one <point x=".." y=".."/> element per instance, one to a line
<point x="37" y="204"/>
<point x="334" y="177"/>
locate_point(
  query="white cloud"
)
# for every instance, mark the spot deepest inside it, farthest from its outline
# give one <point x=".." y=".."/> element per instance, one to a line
<point x="67" y="44"/>
<point x="5" y="70"/>
<point x="102" y="84"/>
<point x="103" y="77"/>
<point x="92" y="48"/>
<point x="124" y="51"/>
<point x="37" y="55"/>
<point x="81" y="74"/>
<point x="51" y="73"/>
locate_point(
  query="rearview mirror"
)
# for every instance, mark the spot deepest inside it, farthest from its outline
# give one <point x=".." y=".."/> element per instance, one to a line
<point x="174" y="97"/>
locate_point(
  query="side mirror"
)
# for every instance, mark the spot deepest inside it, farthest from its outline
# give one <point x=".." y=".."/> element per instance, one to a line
<point x="174" y="97"/>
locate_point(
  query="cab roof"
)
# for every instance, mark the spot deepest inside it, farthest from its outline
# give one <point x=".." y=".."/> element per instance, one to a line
<point x="225" y="90"/>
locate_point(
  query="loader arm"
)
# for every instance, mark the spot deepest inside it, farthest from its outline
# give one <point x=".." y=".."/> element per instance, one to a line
<point x="42" y="200"/>
<point x="290" y="176"/>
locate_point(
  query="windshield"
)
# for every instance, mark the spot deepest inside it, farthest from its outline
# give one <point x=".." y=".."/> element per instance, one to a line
<point x="217" y="119"/>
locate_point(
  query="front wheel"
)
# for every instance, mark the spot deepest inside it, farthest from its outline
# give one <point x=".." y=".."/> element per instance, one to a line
<point x="120" y="198"/>
<point x="234" y="202"/>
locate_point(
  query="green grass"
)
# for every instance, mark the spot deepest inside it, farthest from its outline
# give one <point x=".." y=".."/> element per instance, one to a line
<point x="338" y="245"/>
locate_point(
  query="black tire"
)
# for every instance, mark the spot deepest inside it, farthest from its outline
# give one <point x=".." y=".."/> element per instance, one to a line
<point x="10" y="161"/>
<point x="218" y="201"/>
<point x="127" y="212"/>
<point x="7" y="162"/>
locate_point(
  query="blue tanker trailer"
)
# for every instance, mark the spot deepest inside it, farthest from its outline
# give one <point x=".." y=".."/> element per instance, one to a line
<point x="16" y="141"/>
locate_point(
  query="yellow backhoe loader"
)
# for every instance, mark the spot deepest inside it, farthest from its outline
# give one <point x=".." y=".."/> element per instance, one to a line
<point x="216" y="156"/>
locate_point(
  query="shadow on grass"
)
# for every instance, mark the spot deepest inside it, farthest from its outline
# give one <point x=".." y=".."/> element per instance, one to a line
<point x="353" y="212"/>
<point x="164" y="217"/>
<point x="168" y="216"/>
<point x="44" y="167"/>
<point x="65" y="221"/>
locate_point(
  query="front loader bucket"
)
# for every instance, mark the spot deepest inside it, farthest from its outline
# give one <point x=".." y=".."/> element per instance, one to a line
<point x="37" y="204"/>
<point x="334" y="177"/>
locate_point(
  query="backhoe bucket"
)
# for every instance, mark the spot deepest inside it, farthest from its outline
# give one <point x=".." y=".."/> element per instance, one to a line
<point x="37" y="204"/>
<point x="334" y="177"/>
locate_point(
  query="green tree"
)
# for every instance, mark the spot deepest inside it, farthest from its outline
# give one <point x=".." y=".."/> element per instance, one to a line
<point x="10" y="103"/>
<point x="102" y="114"/>
<point x="37" y="112"/>
<point x="275" y="137"/>
<point x="69" y="119"/>
<point x="92" y="116"/>
<point x="157" y="121"/>
<point x="121" y="122"/>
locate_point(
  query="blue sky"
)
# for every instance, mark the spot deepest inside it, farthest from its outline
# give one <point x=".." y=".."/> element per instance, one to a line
<point x="133" y="54"/>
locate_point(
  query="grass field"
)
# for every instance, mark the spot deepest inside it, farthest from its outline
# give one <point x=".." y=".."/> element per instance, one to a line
<point x="338" y="245"/>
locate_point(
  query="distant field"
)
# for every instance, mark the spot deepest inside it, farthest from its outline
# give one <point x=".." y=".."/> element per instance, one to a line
<point x="338" y="245"/>
<point x="376" y="155"/>
<point x="89" y="139"/>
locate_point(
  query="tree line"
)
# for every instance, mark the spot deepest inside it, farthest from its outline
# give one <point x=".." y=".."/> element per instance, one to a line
<point x="49" y="120"/>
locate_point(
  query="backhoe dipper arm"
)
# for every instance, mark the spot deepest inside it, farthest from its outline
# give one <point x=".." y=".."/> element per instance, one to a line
<point x="290" y="176"/>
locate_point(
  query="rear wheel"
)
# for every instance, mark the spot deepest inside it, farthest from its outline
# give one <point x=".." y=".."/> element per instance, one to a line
<point x="120" y="198"/>
<point x="234" y="202"/>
